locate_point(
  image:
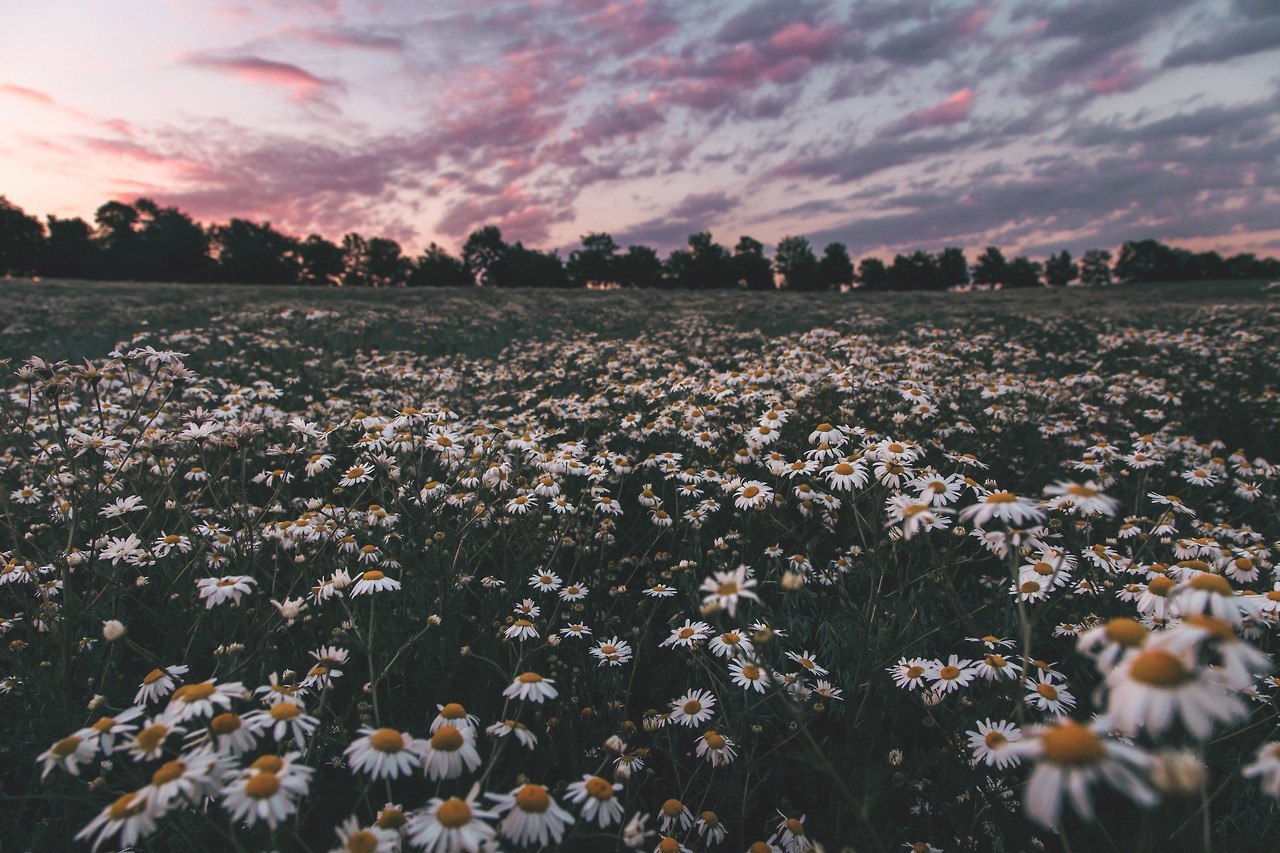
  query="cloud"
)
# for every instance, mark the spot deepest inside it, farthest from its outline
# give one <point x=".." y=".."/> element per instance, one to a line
<point x="695" y="212"/>
<point x="302" y="84"/>
<point x="519" y="214"/>
<point x="1241" y="40"/>
<point x="952" y="110"/>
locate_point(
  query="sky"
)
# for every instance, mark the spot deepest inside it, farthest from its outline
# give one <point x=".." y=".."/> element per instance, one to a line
<point x="883" y="124"/>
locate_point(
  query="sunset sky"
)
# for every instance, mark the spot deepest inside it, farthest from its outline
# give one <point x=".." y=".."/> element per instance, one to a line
<point x="890" y="124"/>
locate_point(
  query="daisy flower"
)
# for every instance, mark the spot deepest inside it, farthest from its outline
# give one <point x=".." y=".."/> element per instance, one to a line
<point x="1212" y="595"/>
<point x="449" y="751"/>
<point x="531" y="687"/>
<point x="374" y="581"/>
<point x="201" y="700"/>
<point x="693" y="708"/>
<point x="599" y="803"/>
<point x="1266" y="764"/>
<point x="1083" y="498"/>
<point x="545" y="581"/>
<point x="158" y="683"/>
<point x="268" y="790"/>
<point x="1152" y="686"/>
<point x="522" y="734"/>
<point x="452" y="826"/>
<point x="753" y="494"/>
<point x="131" y="817"/>
<point x="231" y="588"/>
<point x="725" y="589"/>
<point x="949" y="676"/>
<point x="687" y="635"/>
<point x="749" y="676"/>
<point x="910" y="673"/>
<point x="520" y="630"/>
<point x="613" y="652"/>
<point x="1107" y="643"/>
<point x="69" y="753"/>
<point x="731" y="644"/>
<point x="575" y="629"/>
<point x="1002" y="506"/>
<point x="674" y="815"/>
<point x="283" y="719"/>
<point x="805" y="659"/>
<point x="454" y="714"/>
<point x="531" y="815"/>
<point x="715" y="748"/>
<point x="384" y="753"/>
<point x="1071" y="758"/>
<point x="992" y="742"/>
<point x="1048" y="696"/>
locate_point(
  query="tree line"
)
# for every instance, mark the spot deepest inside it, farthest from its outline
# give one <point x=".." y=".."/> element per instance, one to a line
<point x="143" y="241"/>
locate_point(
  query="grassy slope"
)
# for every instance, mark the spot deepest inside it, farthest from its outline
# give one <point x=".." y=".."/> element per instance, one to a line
<point x="71" y="319"/>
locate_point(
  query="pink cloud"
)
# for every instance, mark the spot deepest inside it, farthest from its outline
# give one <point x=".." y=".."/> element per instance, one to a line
<point x="1122" y="74"/>
<point x="801" y="39"/>
<point x="302" y="84"/>
<point x="515" y="211"/>
<point x="950" y="111"/>
<point x="974" y="22"/>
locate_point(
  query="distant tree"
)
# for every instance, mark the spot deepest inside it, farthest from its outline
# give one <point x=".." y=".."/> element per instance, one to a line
<point x="385" y="265"/>
<point x="751" y="269"/>
<point x="873" y="274"/>
<point x="69" y="249"/>
<point x="355" y="259"/>
<point x="170" y="245"/>
<point x="117" y="239"/>
<point x="1249" y="265"/>
<point x="835" y="269"/>
<point x="250" y="253"/>
<point x="1060" y="270"/>
<point x="953" y="267"/>
<point x="917" y="271"/>
<point x="1023" y="272"/>
<point x="639" y="267"/>
<point x="595" y="263"/>
<point x="1143" y="260"/>
<point x="797" y="265"/>
<point x="482" y="253"/>
<point x="322" y="261"/>
<point x="21" y="240"/>
<point x="523" y="267"/>
<point x="1095" y="268"/>
<point x="437" y="268"/>
<point x="703" y="265"/>
<point x="991" y="267"/>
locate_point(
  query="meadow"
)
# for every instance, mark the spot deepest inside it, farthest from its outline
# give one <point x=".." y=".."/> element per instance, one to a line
<point x="303" y="569"/>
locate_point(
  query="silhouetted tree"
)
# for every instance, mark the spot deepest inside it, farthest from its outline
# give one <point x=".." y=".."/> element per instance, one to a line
<point x="1060" y="270"/>
<point x="751" y="269"/>
<point x="321" y="260"/>
<point x="69" y="250"/>
<point x="1142" y="260"/>
<point x="639" y="267"/>
<point x="991" y="268"/>
<point x="1023" y="272"/>
<point x="523" y="267"/>
<point x="117" y="237"/>
<point x="704" y="265"/>
<point x="385" y="263"/>
<point x="437" y="268"/>
<point x="355" y="258"/>
<point x="1095" y="267"/>
<point x="953" y="267"/>
<point x="249" y="253"/>
<point x="21" y="240"/>
<point x="482" y="252"/>
<point x="595" y="263"/>
<point x="795" y="262"/>
<point x="835" y="270"/>
<point x="873" y="274"/>
<point x="917" y="271"/>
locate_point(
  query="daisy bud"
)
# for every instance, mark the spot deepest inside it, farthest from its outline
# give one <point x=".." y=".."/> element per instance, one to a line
<point x="1178" y="772"/>
<point x="433" y="619"/>
<point x="615" y="744"/>
<point x="170" y="504"/>
<point x="77" y="557"/>
<point x="96" y="701"/>
<point x="792" y="581"/>
<point x="112" y="630"/>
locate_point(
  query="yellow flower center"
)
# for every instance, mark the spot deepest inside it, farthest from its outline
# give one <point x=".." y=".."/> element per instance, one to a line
<point x="1072" y="744"/>
<point x="844" y="469"/>
<point x="267" y="764"/>
<point x="374" y="575"/>
<point x="1048" y="691"/>
<point x="447" y="739"/>
<point x="453" y="813"/>
<point x="284" y="711"/>
<point x="714" y="740"/>
<point x="1125" y="631"/>
<point x="599" y="788"/>
<point x="150" y="738"/>
<point x="189" y="693"/>
<point x="529" y="678"/>
<point x="1160" y="668"/>
<point x="262" y="786"/>
<point x="225" y="724"/>
<point x="1215" y="584"/>
<point x="727" y="588"/>
<point x="391" y="819"/>
<point x="912" y="671"/>
<point x="168" y="772"/>
<point x="1161" y="586"/>
<point x="693" y="706"/>
<point x="995" y="740"/>
<point x="363" y="841"/>
<point x="104" y="724"/>
<point x="533" y="798"/>
<point x="387" y="740"/>
<point x="750" y="492"/>
<point x="673" y="808"/>
<point x="1001" y="498"/>
<point x="949" y="673"/>
<point x="66" y="746"/>
<point x="127" y="806"/>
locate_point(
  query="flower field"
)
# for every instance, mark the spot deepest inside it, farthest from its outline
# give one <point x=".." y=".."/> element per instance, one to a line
<point x="994" y="581"/>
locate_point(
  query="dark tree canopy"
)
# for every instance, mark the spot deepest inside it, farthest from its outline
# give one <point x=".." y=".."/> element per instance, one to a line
<point x="21" y="240"/>
<point x="991" y="267"/>
<point x="873" y="274"/>
<point x="835" y="270"/>
<point x="751" y="268"/>
<point x="797" y="265"/>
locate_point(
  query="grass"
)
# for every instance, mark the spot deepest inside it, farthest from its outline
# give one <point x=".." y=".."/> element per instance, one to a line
<point x="74" y="319"/>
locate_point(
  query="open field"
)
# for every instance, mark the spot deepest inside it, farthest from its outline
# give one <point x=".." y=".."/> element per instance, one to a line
<point x="422" y="569"/>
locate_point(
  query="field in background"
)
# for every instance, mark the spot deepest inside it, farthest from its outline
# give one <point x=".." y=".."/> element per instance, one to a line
<point x="74" y="319"/>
